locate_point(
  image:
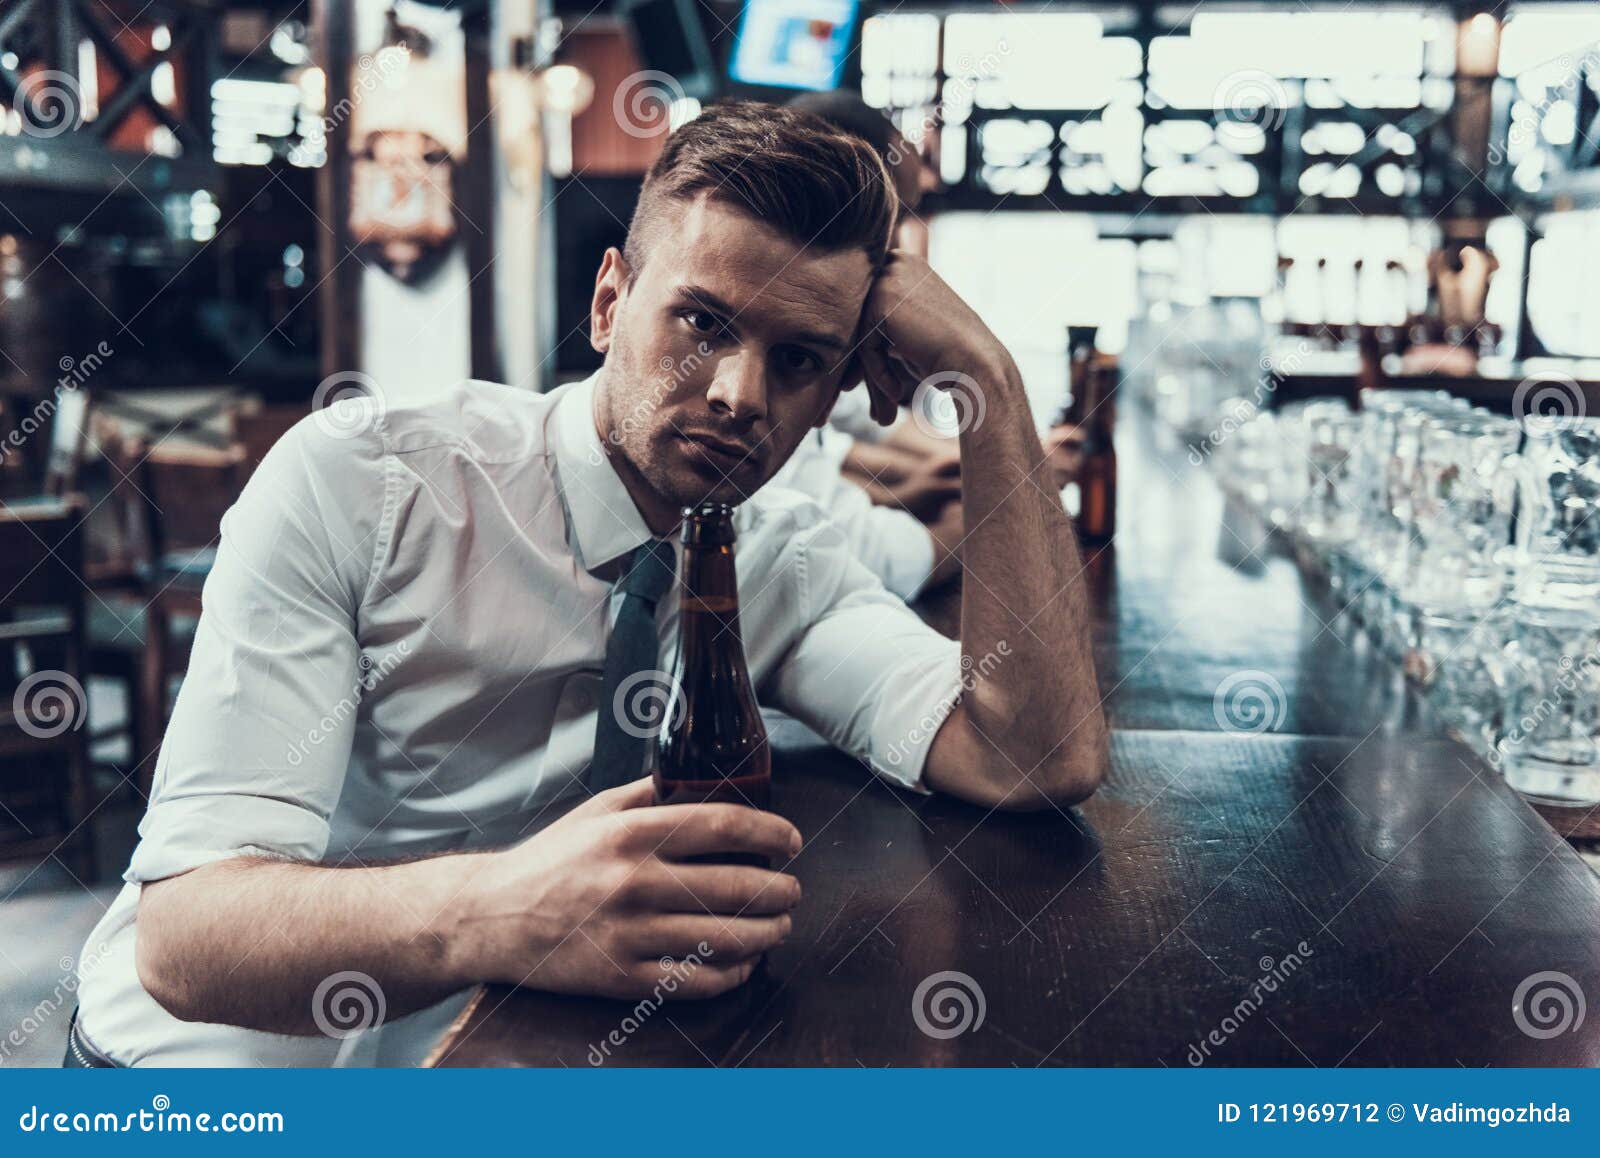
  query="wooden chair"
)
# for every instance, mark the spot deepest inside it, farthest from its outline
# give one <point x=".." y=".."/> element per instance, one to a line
<point x="45" y="703"/>
<point x="69" y="437"/>
<point x="116" y="560"/>
<point x="257" y="429"/>
<point x="185" y="492"/>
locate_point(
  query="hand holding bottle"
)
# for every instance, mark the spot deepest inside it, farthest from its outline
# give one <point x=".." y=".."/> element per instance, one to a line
<point x="595" y="902"/>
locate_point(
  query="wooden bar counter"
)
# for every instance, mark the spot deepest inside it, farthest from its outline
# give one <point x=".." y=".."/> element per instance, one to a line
<point x="1328" y="883"/>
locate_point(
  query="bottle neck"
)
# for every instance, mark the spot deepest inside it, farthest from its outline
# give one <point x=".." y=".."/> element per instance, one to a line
<point x="708" y="608"/>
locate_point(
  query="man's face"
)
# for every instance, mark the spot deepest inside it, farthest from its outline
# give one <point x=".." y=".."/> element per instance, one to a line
<point x="723" y="352"/>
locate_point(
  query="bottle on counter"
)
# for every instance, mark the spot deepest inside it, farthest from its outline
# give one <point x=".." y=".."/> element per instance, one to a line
<point x="1092" y="410"/>
<point x="712" y="745"/>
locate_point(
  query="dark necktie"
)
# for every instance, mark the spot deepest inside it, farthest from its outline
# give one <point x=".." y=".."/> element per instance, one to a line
<point x="635" y="692"/>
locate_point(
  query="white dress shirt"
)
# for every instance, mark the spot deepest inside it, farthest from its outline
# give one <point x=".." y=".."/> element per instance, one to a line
<point x="892" y="544"/>
<point x="401" y="653"/>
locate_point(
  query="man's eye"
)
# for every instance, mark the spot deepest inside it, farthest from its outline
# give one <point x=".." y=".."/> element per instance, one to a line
<point x="702" y="322"/>
<point x="800" y="361"/>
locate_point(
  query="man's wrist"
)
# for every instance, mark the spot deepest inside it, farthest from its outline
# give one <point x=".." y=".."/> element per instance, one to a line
<point x="990" y="365"/>
<point x="448" y="931"/>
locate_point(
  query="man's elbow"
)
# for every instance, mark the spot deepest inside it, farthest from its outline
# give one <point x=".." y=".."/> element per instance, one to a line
<point x="1073" y="778"/>
<point x="159" y="963"/>
<point x="1067" y="776"/>
<point x="1023" y="777"/>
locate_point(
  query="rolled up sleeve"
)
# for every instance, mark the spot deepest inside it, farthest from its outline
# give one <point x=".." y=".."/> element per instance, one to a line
<point x="891" y="544"/>
<point x="254" y="758"/>
<point x="864" y="672"/>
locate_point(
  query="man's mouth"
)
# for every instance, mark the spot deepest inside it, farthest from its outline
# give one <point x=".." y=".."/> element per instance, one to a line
<point x="721" y="453"/>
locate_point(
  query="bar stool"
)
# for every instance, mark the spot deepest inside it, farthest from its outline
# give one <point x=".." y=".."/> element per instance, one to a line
<point x="44" y="709"/>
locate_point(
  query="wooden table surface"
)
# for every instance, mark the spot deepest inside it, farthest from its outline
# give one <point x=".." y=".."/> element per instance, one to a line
<point x="1343" y="886"/>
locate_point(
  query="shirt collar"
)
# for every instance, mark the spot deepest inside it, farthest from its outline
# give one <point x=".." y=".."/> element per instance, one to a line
<point x="604" y="524"/>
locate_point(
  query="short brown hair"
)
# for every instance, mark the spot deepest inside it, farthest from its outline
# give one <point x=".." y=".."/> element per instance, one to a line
<point x="787" y="168"/>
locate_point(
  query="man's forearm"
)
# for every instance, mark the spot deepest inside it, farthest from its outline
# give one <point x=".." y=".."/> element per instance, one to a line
<point x="248" y="941"/>
<point x="1033" y="702"/>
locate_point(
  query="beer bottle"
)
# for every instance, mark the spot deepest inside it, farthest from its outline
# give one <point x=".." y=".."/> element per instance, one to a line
<point x="712" y="745"/>
<point x="1093" y="410"/>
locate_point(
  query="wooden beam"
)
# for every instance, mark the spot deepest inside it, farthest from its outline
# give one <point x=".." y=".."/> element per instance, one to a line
<point x="339" y="298"/>
<point x="477" y="197"/>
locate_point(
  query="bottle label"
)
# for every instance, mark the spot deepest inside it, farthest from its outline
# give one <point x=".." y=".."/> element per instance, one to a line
<point x="715" y="604"/>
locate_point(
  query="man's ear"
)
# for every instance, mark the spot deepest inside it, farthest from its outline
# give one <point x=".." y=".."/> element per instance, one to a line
<point x="610" y="284"/>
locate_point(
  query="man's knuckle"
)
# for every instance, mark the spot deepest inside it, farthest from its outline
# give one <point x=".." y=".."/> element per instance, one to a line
<point x="613" y="879"/>
<point x="633" y="886"/>
<point x="613" y="838"/>
<point x="721" y="827"/>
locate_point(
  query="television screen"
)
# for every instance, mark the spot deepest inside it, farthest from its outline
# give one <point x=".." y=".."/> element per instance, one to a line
<point x="670" y="38"/>
<point x="793" y="43"/>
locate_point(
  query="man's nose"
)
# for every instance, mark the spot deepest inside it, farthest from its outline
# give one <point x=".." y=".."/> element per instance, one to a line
<point x="739" y="387"/>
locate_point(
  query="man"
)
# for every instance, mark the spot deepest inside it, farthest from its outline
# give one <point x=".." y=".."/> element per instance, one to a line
<point x="893" y="490"/>
<point x="895" y="504"/>
<point x="398" y="672"/>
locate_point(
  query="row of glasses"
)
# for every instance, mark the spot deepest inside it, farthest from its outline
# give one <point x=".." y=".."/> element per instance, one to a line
<point x="1458" y="563"/>
<point x="1468" y="545"/>
<point x="1396" y="433"/>
<point x="1549" y="740"/>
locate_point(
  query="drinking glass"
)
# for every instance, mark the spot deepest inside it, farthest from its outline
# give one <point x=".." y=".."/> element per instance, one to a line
<point x="1550" y="747"/>
<point x="1467" y="675"/>
<point x="1331" y="510"/>
<point x="1558" y="515"/>
<point x="1461" y="496"/>
<point x="1290" y="483"/>
<point x="1396" y="447"/>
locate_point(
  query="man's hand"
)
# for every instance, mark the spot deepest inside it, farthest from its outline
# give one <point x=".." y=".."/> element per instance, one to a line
<point x="914" y="326"/>
<point x="594" y="902"/>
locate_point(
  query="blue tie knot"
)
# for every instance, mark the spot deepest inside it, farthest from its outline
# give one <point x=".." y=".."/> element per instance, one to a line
<point x="650" y="571"/>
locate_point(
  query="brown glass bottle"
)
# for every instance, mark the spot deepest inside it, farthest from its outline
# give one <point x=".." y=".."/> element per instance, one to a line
<point x="1092" y="410"/>
<point x="712" y="745"/>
